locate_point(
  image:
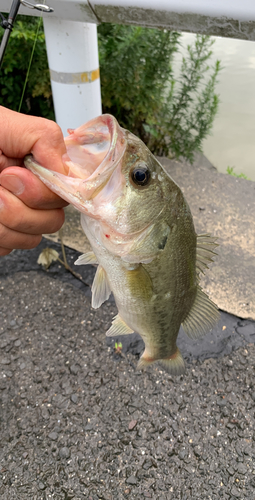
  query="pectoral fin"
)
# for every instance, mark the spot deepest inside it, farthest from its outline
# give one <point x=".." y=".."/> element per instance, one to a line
<point x="86" y="258"/>
<point x="118" y="327"/>
<point x="202" y="316"/>
<point x="100" y="288"/>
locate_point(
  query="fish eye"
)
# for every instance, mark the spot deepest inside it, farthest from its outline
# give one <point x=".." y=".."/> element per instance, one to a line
<point x="140" y="175"/>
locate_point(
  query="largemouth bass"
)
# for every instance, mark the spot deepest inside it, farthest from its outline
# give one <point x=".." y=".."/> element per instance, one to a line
<point x="142" y="237"/>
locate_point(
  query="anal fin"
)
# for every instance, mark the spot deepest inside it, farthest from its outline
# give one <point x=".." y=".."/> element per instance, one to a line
<point x="86" y="258"/>
<point x="100" y="288"/>
<point x="118" y="327"/>
<point x="202" y="316"/>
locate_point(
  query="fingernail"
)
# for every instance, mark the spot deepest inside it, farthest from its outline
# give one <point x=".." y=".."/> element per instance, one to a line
<point x="12" y="183"/>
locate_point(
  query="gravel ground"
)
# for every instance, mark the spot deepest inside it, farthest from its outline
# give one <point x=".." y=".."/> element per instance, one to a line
<point x="78" y="421"/>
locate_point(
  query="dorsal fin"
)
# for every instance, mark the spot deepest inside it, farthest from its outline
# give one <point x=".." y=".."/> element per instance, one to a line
<point x="202" y="316"/>
<point x="205" y="251"/>
<point x="100" y="288"/>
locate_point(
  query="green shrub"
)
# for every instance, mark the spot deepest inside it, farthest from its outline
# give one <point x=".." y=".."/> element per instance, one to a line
<point x="171" y="115"/>
<point x="135" y="70"/>
<point x="37" y="98"/>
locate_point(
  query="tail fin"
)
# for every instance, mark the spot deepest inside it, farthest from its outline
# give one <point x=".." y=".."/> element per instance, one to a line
<point x="174" y="365"/>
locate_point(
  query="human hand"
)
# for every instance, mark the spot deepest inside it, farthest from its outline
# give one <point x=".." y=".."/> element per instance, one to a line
<point x="27" y="207"/>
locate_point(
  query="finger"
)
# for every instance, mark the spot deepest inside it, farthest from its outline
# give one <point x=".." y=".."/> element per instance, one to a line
<point x="18" y="217"/>
<point x="7" y="162"/>
<point x="50" y="147"/>
<point x="21" y="134"/>
<point x="29" y="189"/>
<point x="4" y="251"/>
<point x="13" y="239"/>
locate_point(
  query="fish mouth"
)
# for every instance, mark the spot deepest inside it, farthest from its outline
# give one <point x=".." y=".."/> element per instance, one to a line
<point x="94" y="151"/>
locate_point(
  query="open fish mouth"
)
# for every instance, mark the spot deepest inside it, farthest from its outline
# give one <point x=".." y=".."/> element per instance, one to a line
<point x="94" y="151"/>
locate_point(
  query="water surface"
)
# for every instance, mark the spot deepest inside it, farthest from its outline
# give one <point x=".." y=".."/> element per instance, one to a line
<point x="232" y="139"/>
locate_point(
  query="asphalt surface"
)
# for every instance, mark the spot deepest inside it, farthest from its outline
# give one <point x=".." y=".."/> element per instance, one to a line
<point x="79" y="421"/>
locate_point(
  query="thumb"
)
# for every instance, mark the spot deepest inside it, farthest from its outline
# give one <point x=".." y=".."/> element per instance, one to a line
<point x="29" y="189"/>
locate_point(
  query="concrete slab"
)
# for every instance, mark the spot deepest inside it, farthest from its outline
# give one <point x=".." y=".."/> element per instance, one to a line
<point x="221" y="205"/>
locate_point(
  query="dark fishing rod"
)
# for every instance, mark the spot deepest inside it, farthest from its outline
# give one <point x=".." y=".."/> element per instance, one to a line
<point x="7" y="24"/>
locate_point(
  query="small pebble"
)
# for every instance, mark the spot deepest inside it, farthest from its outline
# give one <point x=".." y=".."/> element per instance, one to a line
<point x="64" y="452"/>
<point x="132" y="424"/>
<point x="41" y="486"/>
<point x="131" y="480"/>
<point x="53" y="436"/>
<point x="74" y="369"/>
<point x="74" y="398"/>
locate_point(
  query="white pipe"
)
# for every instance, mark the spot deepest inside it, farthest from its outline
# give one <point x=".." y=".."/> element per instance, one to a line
<point x="74" y="67"/>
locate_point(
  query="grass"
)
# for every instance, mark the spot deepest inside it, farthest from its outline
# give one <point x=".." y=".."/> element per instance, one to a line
<point x="230" y="171"/>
